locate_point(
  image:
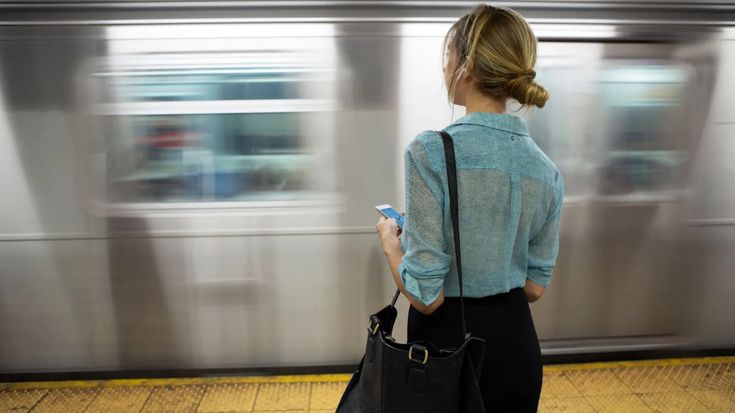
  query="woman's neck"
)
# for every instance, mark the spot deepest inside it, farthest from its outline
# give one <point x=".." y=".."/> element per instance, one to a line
<point x="477" y="102"/>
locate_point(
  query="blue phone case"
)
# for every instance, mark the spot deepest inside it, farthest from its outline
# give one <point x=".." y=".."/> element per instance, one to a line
<point x="392" y="213"/>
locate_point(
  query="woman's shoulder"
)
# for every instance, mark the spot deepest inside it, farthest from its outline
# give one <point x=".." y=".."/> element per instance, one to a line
<point x="427" y="138"/>
<point x="428" y="142"/>
<point x="427" y="148"/>
<point x="545" y="162"/>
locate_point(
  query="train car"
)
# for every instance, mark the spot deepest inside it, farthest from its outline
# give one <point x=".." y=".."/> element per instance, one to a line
<point x="191" y="185"/>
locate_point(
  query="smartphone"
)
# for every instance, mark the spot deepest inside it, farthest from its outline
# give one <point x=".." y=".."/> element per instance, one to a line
<point x="390" y="212"/>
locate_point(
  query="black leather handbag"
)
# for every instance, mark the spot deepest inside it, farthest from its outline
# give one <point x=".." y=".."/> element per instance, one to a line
<point x="417" y="377"/>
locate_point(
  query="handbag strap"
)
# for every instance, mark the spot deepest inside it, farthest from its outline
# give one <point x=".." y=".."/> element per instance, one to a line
<point x="454" y="211"/>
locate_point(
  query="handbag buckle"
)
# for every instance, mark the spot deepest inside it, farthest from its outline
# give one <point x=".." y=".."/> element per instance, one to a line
<point x="374" y="324"/>
<point x="419" y="348"/>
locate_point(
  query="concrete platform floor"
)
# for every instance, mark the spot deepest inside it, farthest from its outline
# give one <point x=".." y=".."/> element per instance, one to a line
<point x="670" y="385"/>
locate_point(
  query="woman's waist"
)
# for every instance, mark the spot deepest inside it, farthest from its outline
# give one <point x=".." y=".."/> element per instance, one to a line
<point x="491" y="298"/>
<point x="481" y="286"/>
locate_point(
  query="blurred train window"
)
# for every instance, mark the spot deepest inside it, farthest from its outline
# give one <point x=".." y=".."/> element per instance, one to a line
<point x="645" y="124"/>
<point x="210" y="157"/>
<point x="187" y="132"/>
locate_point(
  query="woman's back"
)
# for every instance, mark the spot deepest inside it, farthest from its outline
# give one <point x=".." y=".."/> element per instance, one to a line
<point x="510" y="196"/>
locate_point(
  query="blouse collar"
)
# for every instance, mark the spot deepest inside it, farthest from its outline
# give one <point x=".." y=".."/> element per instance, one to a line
<point x="502" y="121"/>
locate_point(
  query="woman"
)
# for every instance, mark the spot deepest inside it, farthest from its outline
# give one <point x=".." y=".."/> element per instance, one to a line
<point x="510" y="199"/>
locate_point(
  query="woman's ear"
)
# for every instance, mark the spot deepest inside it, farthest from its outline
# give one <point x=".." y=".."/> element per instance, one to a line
<point x="465" y="73"/>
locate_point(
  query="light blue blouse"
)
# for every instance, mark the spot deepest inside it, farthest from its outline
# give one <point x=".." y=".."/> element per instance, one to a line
<point x="510" y="201"/>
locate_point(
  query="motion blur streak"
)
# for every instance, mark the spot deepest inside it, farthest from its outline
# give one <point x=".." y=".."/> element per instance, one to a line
<point x="191" y="185"/>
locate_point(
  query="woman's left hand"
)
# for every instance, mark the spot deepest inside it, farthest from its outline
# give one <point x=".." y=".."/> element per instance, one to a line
<point x="388" y="233"/>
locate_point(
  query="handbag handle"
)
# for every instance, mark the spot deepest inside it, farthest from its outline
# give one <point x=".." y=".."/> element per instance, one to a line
<point x="454" y="211"/>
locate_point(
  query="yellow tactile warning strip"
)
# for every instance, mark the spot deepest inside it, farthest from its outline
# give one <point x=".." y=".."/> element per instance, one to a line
<point x="671" y="385"/>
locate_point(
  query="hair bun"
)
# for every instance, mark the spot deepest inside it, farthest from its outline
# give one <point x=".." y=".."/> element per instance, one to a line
<point x="527" y="92"/>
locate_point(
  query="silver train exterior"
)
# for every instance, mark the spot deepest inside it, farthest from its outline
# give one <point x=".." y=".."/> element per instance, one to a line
<point x="191" y="184"/>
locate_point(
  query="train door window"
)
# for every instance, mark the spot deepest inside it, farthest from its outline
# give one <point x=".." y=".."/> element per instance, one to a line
<point x="646" y="125"/>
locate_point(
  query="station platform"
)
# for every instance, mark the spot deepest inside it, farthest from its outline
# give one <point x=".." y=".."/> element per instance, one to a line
<point x="667" y="385"/>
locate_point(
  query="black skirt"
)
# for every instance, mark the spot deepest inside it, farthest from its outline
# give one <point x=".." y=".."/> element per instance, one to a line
<point x="512" y="372"/>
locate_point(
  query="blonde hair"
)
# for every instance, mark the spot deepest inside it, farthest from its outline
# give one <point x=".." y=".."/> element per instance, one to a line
<point x="497" y="48"/>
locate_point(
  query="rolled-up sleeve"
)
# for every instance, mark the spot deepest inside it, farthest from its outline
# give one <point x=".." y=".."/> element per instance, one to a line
<point x="425" y="263"/>
<point x="543" y="248"/>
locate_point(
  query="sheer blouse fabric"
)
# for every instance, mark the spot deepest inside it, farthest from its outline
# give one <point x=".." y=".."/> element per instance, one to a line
<point x="510" y="201"/>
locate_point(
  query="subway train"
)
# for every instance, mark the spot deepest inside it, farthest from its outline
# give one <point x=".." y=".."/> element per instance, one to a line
<point x="191" y="185"/>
